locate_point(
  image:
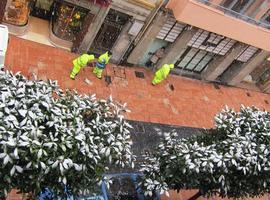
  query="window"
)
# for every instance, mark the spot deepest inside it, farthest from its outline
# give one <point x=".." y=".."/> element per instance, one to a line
<point x="68" y="20"/>
<point x="170" y="30"/>
<point x="239" y="6"/>
<point x="227" y="3"/>
<point x="265" y="76"/>
<point x="194" y="60"/>
<point x="17" y="12"/>
<point x="211" y="42"/>
<point x="246" y="54"/>
<point x="266" y="17"/>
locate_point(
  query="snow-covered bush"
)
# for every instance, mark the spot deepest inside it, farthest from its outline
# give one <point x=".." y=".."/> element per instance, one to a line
<point x="231" y="160"/>
<point x="50" y="138"/>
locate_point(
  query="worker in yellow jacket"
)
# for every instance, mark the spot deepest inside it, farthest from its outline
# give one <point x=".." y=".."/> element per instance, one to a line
<point x="79" y="63"/>
<point x="162" y="73"/>
<point x="101" y="63"/>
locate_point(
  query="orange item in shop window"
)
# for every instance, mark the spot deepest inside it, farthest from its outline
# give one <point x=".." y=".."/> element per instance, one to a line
<point x="17" y="4"/>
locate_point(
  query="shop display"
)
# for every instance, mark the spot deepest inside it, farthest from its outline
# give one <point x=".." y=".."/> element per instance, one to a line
<point x="68" y="21"/>
<point x="17" y="12"/>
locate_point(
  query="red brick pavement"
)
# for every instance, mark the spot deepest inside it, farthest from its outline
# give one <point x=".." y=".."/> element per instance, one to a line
<point x="192" y="103"/>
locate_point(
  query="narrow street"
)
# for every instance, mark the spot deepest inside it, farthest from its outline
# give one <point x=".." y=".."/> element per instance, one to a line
<point x="192" y="102"/>
<point x="176" y="64"/>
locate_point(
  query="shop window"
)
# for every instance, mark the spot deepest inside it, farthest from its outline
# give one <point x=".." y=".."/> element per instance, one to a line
<point x="68" y="20"/>
<point x="17" y="12"/>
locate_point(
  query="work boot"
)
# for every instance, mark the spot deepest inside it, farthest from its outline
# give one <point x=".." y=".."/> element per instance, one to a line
<point x="72" y="77"/>
<point x="153" y="82"/>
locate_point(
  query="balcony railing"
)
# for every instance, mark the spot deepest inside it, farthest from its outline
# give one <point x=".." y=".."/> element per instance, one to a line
<point x="235" y="14"/>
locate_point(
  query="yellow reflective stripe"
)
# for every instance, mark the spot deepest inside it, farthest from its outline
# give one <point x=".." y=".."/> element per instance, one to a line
<point x="80" y="61"/>
<point x="165" y="71"/>
<point x="104" y="56"/>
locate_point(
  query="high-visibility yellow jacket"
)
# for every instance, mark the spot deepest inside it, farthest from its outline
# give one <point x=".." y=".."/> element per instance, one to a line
<point x="104" y="58"/>
<point x="83" y="60"/>
<point x="164" y="71"/>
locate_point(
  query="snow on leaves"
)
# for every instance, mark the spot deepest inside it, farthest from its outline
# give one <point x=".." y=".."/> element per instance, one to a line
<point x="49" y="137"/>
<point x="231" y="160"/>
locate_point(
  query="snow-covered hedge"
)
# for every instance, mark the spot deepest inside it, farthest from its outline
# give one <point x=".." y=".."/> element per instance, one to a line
<point x="50" y="138"/>
<point x="231" y="160"/>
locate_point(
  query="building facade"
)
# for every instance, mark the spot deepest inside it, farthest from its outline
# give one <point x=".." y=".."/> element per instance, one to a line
<point x="226" y="41"/>
<point x="82" y="25"/>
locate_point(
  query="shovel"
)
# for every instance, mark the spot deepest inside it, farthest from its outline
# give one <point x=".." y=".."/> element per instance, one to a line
<point x="108" y="79"/>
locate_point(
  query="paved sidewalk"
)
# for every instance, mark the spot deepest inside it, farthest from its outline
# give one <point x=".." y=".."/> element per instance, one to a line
<point x="192" y="103"/>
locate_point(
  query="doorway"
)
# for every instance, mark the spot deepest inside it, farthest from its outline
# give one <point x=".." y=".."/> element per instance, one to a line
<point x="42" y="9"/>
<point x="109" y="32"/>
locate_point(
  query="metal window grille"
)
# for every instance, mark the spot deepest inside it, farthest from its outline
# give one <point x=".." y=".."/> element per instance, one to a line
<point x="109" y="31"/>
<point x="211" y="42"/>
<point x="170" y="30"/>
<point x="195" y="60"/>
<point x="246" y="54"/>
